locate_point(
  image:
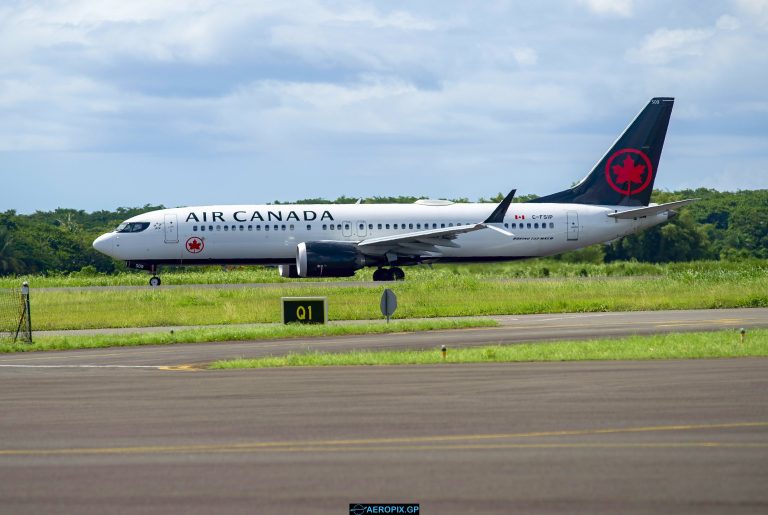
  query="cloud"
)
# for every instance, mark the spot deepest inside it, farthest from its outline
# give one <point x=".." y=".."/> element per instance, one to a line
<point x="665" y="45"/>
<point x="755" y="10"/>
<point x="426" y="94"/>
<point x="620" y="8"/>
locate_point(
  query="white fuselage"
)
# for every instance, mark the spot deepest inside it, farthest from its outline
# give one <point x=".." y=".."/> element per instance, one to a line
<point x="269" y="234"/>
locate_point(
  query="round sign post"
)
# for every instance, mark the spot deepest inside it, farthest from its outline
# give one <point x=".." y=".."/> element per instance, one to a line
<point x="388" y="303"/>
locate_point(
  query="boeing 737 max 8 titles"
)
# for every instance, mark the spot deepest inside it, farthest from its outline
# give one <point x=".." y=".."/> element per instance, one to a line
<point x="332" y="240"/>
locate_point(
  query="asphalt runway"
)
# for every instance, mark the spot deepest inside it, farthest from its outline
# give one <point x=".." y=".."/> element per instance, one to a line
<point x="671" y="437"/>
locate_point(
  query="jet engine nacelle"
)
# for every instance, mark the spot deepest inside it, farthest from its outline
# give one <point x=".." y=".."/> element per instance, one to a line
<point x="328" y="259"/>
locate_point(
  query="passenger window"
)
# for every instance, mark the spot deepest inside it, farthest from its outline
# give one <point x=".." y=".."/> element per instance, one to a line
<point x="370" y="227"/>
<point x="202" y="227"/>
<point x="250" y="228"/>
<point x="379" y="226"/>
<point x="325" y="227"/>
<point x="309" y="227"/>
<point x="361" y="226"/>
<point x="536" y="225"/>
<point x="528" y="225"/>
<point x="387" y="226"/>
<point x="291" y="227"/>
<point x="410" y="226"/>
<point x="442" y="226"/>
<point x="266" y="227"/>
<point x="346" y="226"/>
<point x="194" y="228"/>
<point x="275" y="227"/>
<point x="418" y="226"/>
<point x="506" y="225"/>
<point x="514" y="225"/>
<point x="210" y="227"/>
<point x="234" y="227"/>
<point x="434" y="226"/>
<point x="394" y="226"/>
<point x="242" y="227"/>
<point x="226" y="227"/>
<point x="258" y="227"/>
<point x="450" y="224"/>
<point x="333" y="226"/>
<point x="551" y="225"/>
<point x="218" y="227"/>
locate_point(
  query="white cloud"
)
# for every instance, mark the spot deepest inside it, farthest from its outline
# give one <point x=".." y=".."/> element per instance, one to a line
<point x="755" y="10"/>
<point x="621" y="8"/>
<point x="525" y="56"/>
<point x="341" y="88"/>
<point x="727" y="22"/>
<point x="665" y="45"/>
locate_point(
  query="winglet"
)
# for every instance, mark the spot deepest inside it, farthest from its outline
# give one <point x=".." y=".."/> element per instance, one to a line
<point x="498" y="214"/>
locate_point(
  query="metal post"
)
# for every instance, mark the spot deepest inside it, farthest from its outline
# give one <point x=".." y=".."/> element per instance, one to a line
<point x="25" y="296"/>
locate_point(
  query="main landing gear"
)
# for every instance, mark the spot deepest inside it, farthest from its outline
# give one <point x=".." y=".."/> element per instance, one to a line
<point x="389" y="274"/>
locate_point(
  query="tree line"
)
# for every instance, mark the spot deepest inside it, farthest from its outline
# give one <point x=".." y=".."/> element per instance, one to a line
<point x="722" y="225"/>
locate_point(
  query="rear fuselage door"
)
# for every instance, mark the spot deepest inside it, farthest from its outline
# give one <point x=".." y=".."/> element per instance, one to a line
<point x="573" y="225"/>
<point x="171" y="229"/>
<point x="346" y="229"/>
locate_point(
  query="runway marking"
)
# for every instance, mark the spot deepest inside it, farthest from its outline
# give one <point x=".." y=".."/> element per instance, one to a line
<point x="181" y="368"/>
<point x="174" y="368"/>
<point x="404" y="442"/>
<point x="156" y="367"/>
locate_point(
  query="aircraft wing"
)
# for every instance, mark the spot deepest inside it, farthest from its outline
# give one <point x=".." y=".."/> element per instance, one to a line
<point x="415" y="243"/>
<point x="651" y="210"/>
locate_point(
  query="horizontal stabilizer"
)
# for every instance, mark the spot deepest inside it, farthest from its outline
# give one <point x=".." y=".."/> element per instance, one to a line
<point x="651" y="210"/>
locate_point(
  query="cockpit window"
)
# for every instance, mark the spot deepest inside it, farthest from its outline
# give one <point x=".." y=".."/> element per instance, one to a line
<point x="132" y="227"/>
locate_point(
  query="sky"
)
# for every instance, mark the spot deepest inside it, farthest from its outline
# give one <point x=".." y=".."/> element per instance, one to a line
<point x="112" y="103"/>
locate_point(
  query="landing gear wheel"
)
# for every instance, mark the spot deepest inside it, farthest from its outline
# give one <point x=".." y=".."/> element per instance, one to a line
<point x="381" y="274"/>
<point x="154" y="281"/>
<point x="397" y="274"/>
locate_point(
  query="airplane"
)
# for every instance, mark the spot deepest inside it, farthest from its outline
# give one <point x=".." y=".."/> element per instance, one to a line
<point x="332" y="240"/>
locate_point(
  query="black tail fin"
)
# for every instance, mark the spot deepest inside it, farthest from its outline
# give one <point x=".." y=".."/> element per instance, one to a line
<point x="624" y="176"/>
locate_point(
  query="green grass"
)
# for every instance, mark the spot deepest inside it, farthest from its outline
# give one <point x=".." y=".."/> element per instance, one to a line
<point x="722" y="344"/>
<point x="266" y="332"/>
<point x="438" y="293"/>
<point x="536" y="268"/>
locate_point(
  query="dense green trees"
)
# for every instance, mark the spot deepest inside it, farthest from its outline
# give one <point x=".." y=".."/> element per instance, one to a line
<point x="723" y="225"/>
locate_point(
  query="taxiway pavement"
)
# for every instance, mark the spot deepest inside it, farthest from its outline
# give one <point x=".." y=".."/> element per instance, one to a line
<point x="586" y="437"/>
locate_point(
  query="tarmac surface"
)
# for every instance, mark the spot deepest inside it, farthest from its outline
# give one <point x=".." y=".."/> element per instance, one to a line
<point x="626" y="437"/>
<point x="142" y="429"/>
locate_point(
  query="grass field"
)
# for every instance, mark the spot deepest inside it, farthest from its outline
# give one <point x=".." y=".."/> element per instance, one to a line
<point x="536" y="268"/>
<point x="440" y="292"/>
<point x="723" y="344"/>
<point x="219" y="334"/>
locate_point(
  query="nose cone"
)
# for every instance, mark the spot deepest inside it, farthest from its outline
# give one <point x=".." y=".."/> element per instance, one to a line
<point x="105" y="244"/>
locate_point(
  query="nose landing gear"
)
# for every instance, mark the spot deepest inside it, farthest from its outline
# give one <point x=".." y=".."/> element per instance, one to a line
<point x="154" y="280"/>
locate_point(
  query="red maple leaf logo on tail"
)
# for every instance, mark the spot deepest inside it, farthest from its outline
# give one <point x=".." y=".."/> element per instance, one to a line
<point x="628" y="171"/>
<point x="630" y="177"/>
